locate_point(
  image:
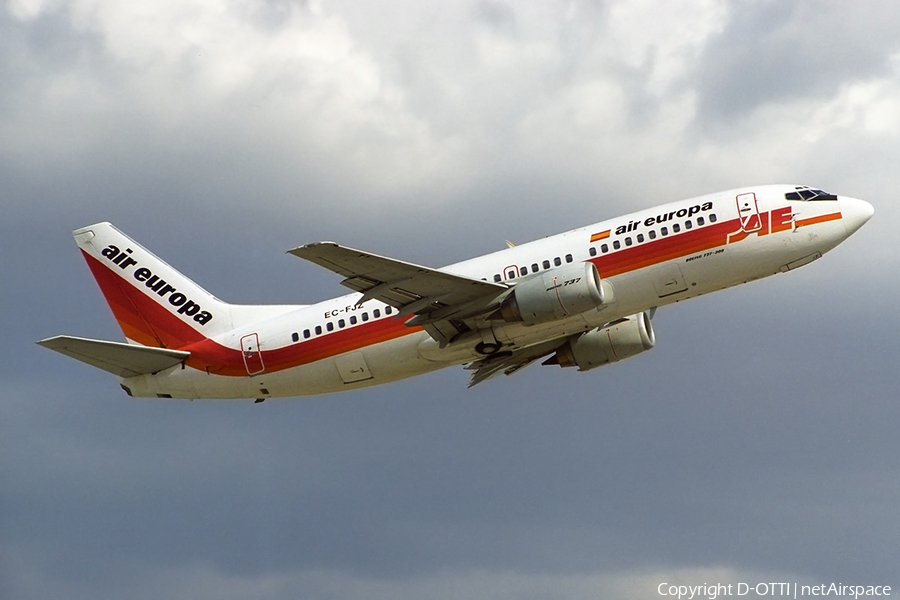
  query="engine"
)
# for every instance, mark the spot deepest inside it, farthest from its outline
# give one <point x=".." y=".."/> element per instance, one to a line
<point x="599" y="347"/>
<point x="555" y="294"/>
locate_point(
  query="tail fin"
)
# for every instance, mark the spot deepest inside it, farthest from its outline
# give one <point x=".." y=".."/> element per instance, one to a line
<point x="154" y="304"/>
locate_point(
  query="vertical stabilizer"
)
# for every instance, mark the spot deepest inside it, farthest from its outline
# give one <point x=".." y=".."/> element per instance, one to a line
<point x="154" y="304"/>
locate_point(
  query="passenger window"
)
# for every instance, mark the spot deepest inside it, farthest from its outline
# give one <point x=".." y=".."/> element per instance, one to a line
<point x="688" y="224"/>
<point x="676" y="228"/>
<point x="617" y="245"/>
<point x="341" y="323"/>
<point x="557" y="261"/>
<point x="377" y="313"/>
<point x="497" y="278"/>
<point x="700" y="221"/>
<point x="628" y="241"/>
<point x="365" y="316"/>
<point x="712" y="217"/>
<point x="546" y="264"/>
<point x="353" y="320"/>
<point x="664" y="230"/>
<point x="593" y="251"/>
<point x="306" y="334"/>
<point x="568" y="258"/>
<point x="640" y="238"/>
<point x="318" y="330"/>
<point x="652" y="234"/>
<point x="523" y="270"/>
<point x="388" y="310"/>
<point x="534" y="268"/>
<point x="510" y="274"/>
<point x="329" y="326"/>
<point x="295" y="337"/>
<point x="604" y="248"/>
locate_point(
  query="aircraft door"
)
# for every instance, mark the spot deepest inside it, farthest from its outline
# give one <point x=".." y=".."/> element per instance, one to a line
<point x="510" y="272"/>
<point x="749" y="212"/>
<point x="668" y="279"/>
<point x="352" y="367"/>
<point x="252" y="355"/>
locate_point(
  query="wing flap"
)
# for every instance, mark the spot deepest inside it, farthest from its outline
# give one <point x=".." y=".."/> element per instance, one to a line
<point x="124" y="360"/>
<point x="432" y="295"/>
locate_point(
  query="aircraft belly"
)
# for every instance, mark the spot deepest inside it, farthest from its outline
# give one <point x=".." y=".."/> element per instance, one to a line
<point x="386" y="361"/>
<point x="522" y="336"/>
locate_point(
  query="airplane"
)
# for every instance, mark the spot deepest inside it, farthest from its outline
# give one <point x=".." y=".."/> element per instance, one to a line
<point x="583" y="299"/>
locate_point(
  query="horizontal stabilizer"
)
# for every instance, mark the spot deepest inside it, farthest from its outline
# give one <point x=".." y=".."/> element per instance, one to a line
<point x="124" y="360"/>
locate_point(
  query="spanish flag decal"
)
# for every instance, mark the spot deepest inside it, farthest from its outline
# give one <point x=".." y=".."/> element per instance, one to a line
<point x="600" y="236"/>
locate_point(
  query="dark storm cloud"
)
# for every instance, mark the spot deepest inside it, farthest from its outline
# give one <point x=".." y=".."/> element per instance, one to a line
<point x="608" y="470"/>
<point x="773" y="52"/>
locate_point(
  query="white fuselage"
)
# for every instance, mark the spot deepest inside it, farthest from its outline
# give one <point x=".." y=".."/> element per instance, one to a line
<point x="648" y="259"/>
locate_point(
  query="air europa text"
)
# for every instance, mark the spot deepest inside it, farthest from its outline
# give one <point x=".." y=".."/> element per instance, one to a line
<point x="161" y="287"/>
<point x="675" y="214"/>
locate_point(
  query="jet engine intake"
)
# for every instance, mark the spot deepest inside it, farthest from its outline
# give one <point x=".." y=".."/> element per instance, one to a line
<point x="554" y="294"/>
<point x="610" y="344"/>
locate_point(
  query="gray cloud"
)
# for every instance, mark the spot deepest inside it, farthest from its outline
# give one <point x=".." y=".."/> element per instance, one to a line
<point x="775" y="52"/>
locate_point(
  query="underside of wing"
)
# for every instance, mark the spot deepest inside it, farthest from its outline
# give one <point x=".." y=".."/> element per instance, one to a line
<point x="441" y="301"/>
<point x="510" y="362"/>
<point x="124" y="360"/>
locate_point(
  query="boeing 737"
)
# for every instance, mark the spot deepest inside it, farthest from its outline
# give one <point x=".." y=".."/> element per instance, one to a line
<point x="581" y="299"/>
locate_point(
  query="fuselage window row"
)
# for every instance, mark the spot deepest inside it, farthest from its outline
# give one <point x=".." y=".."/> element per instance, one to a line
<point x="524" y="269"/>
<point x="663" y="231"/>
<point x="341" y="323"/>
<point x="604" y="248"/>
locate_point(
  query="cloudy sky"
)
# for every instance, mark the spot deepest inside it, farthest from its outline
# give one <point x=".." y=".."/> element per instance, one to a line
<point x="757" y="442"/>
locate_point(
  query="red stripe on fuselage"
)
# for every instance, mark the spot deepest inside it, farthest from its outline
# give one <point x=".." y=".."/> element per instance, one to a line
<point x="147" y="322"/>
<point x="216" y="359"/>
<point x="662" y="249"/>
<point x="820" y="219"/>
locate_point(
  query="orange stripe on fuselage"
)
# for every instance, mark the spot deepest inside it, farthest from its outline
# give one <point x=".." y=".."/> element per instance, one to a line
<point x="217" y="359"/>
<point x="663" y="249"/>
<point x="820" y="219"/>
<point x="147" y="322"/>
<point x="696" y="240"/>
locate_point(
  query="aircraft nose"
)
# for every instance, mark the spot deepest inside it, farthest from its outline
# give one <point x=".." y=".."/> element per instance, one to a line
<point x="855" y="213"/>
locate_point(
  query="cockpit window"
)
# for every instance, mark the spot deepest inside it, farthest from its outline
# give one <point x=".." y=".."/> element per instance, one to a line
<point x="804" y="194"/>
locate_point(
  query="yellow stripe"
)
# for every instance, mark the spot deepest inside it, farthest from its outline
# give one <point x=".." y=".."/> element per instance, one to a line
<point x="600" y="236"/>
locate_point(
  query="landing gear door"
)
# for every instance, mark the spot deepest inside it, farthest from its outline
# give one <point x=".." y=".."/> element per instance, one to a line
<point x="252" y="355"/>
<point x="749" y="212"/>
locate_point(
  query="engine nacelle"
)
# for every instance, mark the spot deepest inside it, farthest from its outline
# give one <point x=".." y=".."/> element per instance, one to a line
<point x="608" y="345"/>
<point x="555" y="294"/>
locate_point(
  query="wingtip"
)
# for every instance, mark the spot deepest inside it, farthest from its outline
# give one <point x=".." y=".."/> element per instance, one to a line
<point x="298" y="251"/>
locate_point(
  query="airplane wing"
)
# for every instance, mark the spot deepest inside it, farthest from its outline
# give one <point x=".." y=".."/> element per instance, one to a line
<point x="510" y="363"/>
<point x="441" y="301"/>
<point x="124" y="360"/>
